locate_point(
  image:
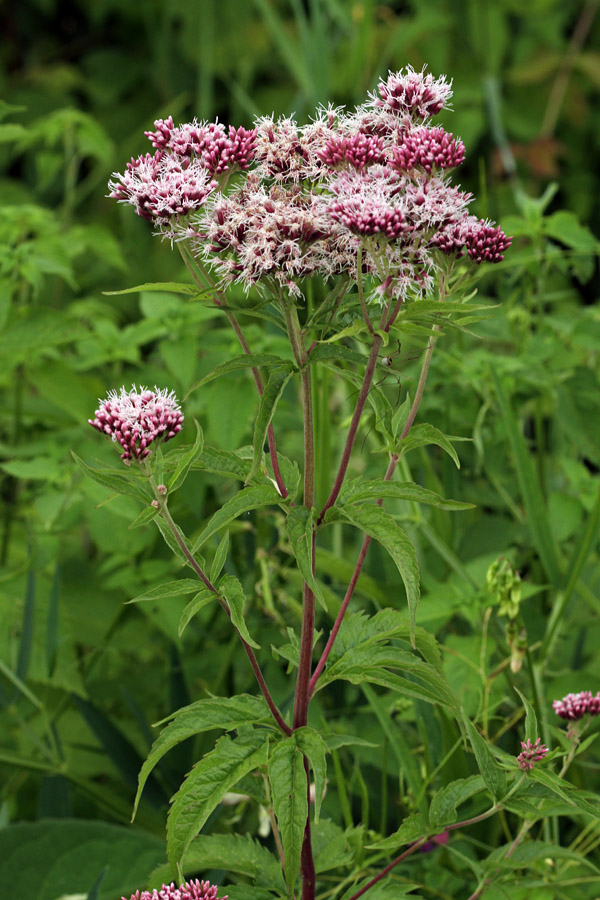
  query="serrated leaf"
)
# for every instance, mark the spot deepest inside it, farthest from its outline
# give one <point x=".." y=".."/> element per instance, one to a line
<point x="268" y="403"/>
<point x="493" y="775"/>
<point x="202" y="599"/>
<point x="231" y="853"/>
<point x="314" y="749"/>
<point x="379" y="525"/>
<point x="225" y="713"/>
<point x="287" y="777"/>
<point x="300" y="524"/>
<point x="172" y="287"/>
<point x="223" y="462"/>
<point x="358" y="490"/>
<point x="442" y="810"/>
<point x="233" y="592"/>
<point x="217" y="772"/>
<point x="412" y="829"/>
<point x="335" y="741"/>
<point x="331" y="847"/>
<point x="247" y="361"/>
<point x="252" y="497"/>
<point x="185" y="462"/>
<point x="333" y="351"/>
<point x="173" y="544"/>
<point x="220" y="557"/>
<point x="108" y="478"/>
<point x="170" y="589"/>
<point x="425" y="434"/>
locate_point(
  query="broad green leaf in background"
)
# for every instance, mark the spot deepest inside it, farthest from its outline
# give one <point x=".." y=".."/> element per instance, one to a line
<point x="217" y="772"/>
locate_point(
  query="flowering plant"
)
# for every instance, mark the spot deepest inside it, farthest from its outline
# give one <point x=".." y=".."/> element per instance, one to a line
<point x="357" y="212"/>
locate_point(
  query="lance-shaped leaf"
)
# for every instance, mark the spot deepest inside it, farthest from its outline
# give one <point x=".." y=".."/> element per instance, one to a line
<point x="175" y="545"/>
<point x="171" y="287"/>
<point x="216" y="773"/>
<point x="493" y="775"/>
<point x="379" y="525"/>
<point x="147" y="515"/>
<point x="231" y="853"/>
<point x="314" y="749"/>
<point x="444" y="805"/>
<point x="247" y="361"/>
<point x="233" y="592"/>
<point x="220" y="557"/>
<point x="127" y="483"/>
<point x="185" y="461"/>
<point x="336" y="352"/>
<point x="412" y="829"/>
<point x="300" y="525"/>
<point x="225" y="713"/>
<point x="356" y="491"/>
<point x="251" y="497"/>
<point x="290" y="802"/>
<point x="268" y="403"/>
<point x="202" y="599"/>
<point x="170" y="589"/>
<point x="425" y="434"/>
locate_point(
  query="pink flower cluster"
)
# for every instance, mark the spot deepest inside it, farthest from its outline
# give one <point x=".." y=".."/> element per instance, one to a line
<point x="190" y="890"/>
<point x="531" y="754"/>
<point x="576" y="706"/>
<point x="372" y="183"/>
<point x="138" y="417"/>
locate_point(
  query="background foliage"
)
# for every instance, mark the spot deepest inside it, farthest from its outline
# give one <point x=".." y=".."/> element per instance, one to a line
<point x="83" y="676"/>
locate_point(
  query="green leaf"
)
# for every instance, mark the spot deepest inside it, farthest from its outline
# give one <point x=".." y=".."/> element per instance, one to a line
<point x="185" y="462"/>
<point x="217" y="772"/>
<point x="170" y="589"/>
<point x="225" y="713"/>
<point x="538" y="519"/>
<point x="223" y="462"/>
<point x="335" y="741"/>
<point x="527" y="854"/>
<point x="336" y="352"/>
<point x="233" y="592"/>
<point x="379" y="525"/>
<point x="423" y="435"/>
<point x="173" y="543"/>
<point x="493" y="775"/>
<point x="114" y="481"/>
<point x="147" y="515"/>
<point x="252" y="497"/>
<point x="331" y="847"/>
<point x="268" y="403"/>
<point x="64" y="857"/>
<point x="582" y="801"/>
<point x="531" y="726"/>
<point x="564" y="226"/>
<point x="202" y="599"/>
<point x="358" y="490"/>
<point x="443" y="806"/>
<point x="412" y="829"/>
<point x="172" y="287"/>
<point x="300" y="526"/>
<point x="314" y="749"/>
<point x="231" y="853"/>
<point x="247" y="361"/>
<point x="290" y="802"/>
<point x="220" y="557"/>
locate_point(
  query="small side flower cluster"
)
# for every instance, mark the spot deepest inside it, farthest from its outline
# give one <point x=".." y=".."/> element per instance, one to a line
<point x="531" y="753"/>
<point x="576" y="706"/>
<point x="372" y="184"/>
<point x="138" y="417"/>
<point x="190" y="890"/>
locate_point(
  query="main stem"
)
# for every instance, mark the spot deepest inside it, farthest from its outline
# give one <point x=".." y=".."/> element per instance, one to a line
<point x="302" y="695"/>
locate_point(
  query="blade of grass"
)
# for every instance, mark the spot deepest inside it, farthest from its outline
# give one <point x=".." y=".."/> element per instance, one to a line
<point x="289" y="50"/>
<point x="27" y="632"/>
<point x="52" y="622"/>
<point x="531" y="493"/>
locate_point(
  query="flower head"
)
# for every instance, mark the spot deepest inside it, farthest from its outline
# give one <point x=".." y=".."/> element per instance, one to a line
<point x="413" y="94"/>
<point x="136" y="418"/>
<point x="531" y="753"/>
<point x="576" y="706"/>
<point x="161" y="187"/>
<point x="427" y="148"/>
<point x="190" y="890"/>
